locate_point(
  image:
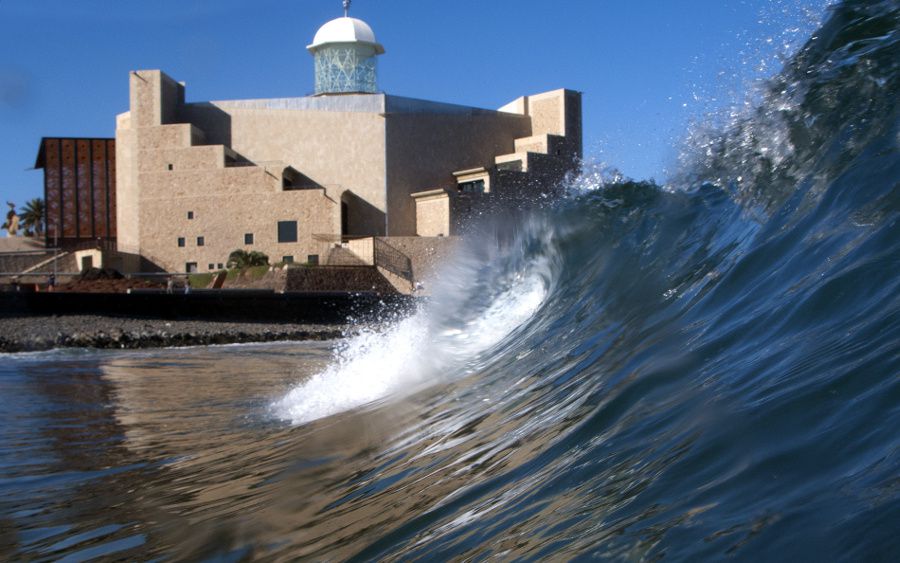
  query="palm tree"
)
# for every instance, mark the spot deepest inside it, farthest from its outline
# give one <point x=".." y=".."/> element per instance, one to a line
<point x="237" y="260"/>
<point x="33" y="216"/>
<point x="240" y="259"/>
<point x="256" y="258"/>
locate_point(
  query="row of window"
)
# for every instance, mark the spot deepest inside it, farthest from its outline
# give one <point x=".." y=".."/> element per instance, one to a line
<point x="287" y="232"/>
<point x="182" y="242"/>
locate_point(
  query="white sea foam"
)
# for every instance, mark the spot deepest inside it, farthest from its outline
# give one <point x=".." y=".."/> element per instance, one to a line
<point x="436" y="343"/>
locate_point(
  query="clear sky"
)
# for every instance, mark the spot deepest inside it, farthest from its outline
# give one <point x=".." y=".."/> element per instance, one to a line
<point x="646" y="67"/>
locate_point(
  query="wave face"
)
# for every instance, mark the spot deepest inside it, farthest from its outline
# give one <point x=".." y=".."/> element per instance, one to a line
<point x="695" y="371"/>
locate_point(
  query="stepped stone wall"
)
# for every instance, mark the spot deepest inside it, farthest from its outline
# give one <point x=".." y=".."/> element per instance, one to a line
<point x="20" y="262"/>
<point x="337" y="278"/>
<point x="17" y="263"/>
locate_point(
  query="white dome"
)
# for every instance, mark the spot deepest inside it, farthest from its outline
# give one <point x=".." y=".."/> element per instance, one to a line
<point x="345" y="30"/>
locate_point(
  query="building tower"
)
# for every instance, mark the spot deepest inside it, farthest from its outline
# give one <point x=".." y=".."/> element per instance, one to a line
<point x="345" y="51"/>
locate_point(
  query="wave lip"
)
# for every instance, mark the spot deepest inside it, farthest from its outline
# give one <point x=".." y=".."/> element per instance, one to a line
<point x="434" y="344"/>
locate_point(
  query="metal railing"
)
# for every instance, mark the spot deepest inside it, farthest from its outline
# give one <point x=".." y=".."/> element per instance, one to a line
<point x="393" y="260"/>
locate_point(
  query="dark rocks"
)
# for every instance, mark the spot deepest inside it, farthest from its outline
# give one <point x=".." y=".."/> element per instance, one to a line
<point x="32" y="333"/>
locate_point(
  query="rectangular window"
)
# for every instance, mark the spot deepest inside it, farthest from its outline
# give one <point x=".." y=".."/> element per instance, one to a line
<point x="287" y="231"/>
<point x="190" y="214"/>
<point x="510" y="166"/>
<point x="473" y="187"/>
<point x="200" y="241"/>
<point x="212" y="266"/>
<point x="181" y="242"/>
<point x="221" y="267"/>
<point x="312" y="259"/>
<point x="190" y="267"/>
<point x="171" y="167"/>
<point x="287" y="259"/>
<point x="248" y="238"/>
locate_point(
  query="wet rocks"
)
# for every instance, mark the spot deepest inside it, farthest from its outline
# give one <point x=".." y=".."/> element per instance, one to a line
<point x="32" y="333"/>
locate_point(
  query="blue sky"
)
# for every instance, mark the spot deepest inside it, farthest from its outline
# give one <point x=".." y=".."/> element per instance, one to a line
<point x="646" y="67"/>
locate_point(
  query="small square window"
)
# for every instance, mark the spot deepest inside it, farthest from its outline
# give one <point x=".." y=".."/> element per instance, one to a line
<point x="200" y="241"/>
<point x="181" y="241"/>
<point x="248" y="238"/>
<point x="190" y="267"/>
<point x="312" y="259"/>
<point x="212" y="266"/>
<point x="171" y="167"/>
<point x="221" y="267"/>
<point x="190" y="214"/>
<point x="287" y="259"/>
<point x="287" y="231"/>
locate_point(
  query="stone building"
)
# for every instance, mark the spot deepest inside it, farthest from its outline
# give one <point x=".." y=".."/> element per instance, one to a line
<point x="197" y="180"/>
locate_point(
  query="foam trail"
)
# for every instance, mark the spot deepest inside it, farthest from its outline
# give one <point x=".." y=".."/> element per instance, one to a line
<point x="434" y="343"/>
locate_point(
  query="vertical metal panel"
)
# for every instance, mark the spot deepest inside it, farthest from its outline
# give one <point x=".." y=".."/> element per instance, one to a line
<point x="69" y="190"/>
<point x="111" y="186"/>
<point x="83" y="183"/>
<point x="98" y="187"/>
<point x="52" y="187"/>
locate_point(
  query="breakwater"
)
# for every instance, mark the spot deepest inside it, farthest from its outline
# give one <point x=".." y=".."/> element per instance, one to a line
<point x="231" y="305"/>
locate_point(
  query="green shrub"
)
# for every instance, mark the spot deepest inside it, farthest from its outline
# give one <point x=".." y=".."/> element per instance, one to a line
<point x="257" y="272"/>
<point x="200" y="280"/>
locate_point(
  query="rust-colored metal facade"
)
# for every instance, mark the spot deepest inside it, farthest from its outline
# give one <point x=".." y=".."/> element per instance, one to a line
<point x="79" y="190"/>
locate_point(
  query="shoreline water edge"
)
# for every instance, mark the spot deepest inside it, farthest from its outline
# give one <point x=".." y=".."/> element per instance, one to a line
<point x="31" y="333"/>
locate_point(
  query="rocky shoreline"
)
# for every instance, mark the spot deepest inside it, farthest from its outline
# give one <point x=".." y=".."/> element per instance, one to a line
<point x="35" y="333"/>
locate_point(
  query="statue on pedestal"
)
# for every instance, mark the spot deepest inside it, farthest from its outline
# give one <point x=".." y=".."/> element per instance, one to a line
<point x="12" y="221"/>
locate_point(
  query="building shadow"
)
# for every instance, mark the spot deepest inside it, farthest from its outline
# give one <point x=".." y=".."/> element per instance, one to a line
<point x="359" y="217"/>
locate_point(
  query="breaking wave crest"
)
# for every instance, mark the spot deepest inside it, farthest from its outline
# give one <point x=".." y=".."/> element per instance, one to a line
<point x="477" y="303"/>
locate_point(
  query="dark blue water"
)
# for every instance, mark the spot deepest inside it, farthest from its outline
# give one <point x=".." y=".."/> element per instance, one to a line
<point x="707" y="370"/>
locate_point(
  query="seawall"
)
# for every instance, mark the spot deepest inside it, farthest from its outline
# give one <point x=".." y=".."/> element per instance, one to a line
<point x="220" y="305"/>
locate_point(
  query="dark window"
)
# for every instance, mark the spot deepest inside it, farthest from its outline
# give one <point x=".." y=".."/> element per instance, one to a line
<point x="287" y="259"/>
<point x="312" y="259"/>
<point x="248" y="238"/>
<point x="287" y="231"/>
<point x="212" y="266"/>
<point x="200" y="241"/>
<point x="221" y="267"/>
<point x="171" y="167"/>
<point x="190" y="267"/>
<point x="181" y="241"/>
<point x="511" y="166"/>
<point x="190" y="214"/>
<point x="473" y="187"/>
